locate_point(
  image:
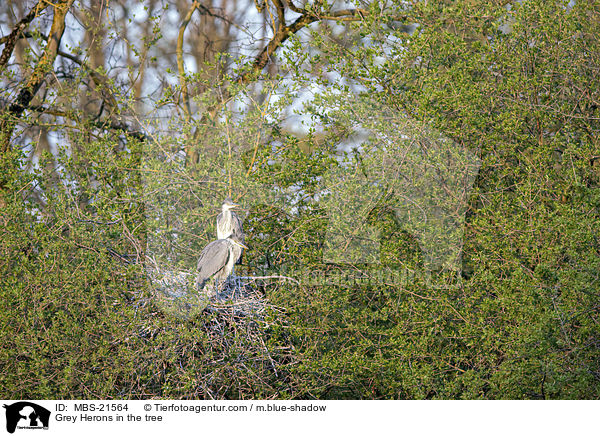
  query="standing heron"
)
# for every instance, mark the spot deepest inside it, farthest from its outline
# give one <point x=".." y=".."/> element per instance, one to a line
<point x="216" y="263"/>
<point x="229" y="223"/>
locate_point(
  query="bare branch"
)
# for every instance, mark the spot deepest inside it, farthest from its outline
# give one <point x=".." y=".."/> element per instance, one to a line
<point x="280" y="14"/>
<point x="293" y="7"/>
<point x="22" y="35"/>
<point x="284" y="32"/>
<point x="17" y="32"/>
<point x="35" y="81"/>
<point x="116" y="125"/>
<point x="180" y="64"/>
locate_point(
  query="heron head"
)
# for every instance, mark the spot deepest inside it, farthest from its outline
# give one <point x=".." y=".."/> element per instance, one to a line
<point x="229" y="204"/>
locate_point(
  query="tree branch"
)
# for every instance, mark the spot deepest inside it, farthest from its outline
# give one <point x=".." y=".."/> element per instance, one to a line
<point x="100" y="80"/>
<point x="281" y="35"/>
<point x="284" y="32"/>
<point x="293" y="7"/>
<point x="22" y="35"/>
<point x="35" y="81"/>
<point x="180" y="64"/>
<point x="345" y="15"/>
<point x="280" y="14"/>
<point x="117" y="125"/>
<point x="15" y="35"/>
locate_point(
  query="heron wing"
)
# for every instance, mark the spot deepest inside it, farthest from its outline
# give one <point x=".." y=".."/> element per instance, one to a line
<point x="212" y="259"/>
<point x="237" y="230"/>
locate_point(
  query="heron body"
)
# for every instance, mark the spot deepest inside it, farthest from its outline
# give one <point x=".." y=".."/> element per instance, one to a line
<point x="216" y="263"/>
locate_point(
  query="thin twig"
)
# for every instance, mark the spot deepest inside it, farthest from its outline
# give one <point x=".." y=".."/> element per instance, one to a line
<point x="253" y="278"/>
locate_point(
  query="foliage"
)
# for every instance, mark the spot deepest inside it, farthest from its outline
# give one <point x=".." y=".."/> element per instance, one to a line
<point x="513" y="84"/>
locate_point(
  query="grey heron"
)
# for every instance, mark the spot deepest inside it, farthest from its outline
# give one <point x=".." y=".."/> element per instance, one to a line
<point x="216" y="263"/>
<point x="229" y="223"/>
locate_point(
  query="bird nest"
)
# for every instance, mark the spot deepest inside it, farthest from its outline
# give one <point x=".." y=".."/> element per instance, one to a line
<point x="239" y="298"/>
<point x="176" y="294"/>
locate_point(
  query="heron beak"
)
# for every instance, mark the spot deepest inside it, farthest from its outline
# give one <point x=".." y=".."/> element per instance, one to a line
<point x="242" y="245"/>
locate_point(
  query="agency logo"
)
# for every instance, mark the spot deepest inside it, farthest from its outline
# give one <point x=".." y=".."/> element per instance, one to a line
<point x="26" y="415"/>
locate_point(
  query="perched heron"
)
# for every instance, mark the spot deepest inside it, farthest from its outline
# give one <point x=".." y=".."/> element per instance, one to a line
<point x="216" y="263"/>
<point x="229" y="223"/>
